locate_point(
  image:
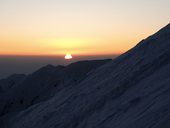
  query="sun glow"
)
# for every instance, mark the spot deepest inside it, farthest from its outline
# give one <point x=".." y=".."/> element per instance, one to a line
<point x="68" y="56"/>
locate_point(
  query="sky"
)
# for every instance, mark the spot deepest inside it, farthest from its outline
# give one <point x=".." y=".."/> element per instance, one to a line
<point x="79" y="27"/>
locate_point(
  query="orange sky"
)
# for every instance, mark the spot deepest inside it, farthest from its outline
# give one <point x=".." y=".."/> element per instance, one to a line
<point x="91" y="27"/>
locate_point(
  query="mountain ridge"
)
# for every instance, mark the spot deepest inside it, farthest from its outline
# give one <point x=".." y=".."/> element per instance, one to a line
<point x="35" y="87"/>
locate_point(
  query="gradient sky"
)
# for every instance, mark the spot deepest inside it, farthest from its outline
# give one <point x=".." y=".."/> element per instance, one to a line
<point x="55" y="27"/>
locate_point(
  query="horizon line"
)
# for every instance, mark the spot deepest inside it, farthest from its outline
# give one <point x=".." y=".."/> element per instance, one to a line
<point x="61" y="55"/>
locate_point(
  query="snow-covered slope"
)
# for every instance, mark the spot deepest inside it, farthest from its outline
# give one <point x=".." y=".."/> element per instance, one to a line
<point x="11" y="81"/>
<point x="43" y="84"/>
<point x="132" y="91"/>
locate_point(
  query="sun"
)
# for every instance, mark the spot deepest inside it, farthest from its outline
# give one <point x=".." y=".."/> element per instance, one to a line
<point x="68" y="56"/>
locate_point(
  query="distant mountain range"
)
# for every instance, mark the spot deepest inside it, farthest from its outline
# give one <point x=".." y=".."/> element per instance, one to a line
<point x="26" y="64"/>
<point x="131" y="91"/>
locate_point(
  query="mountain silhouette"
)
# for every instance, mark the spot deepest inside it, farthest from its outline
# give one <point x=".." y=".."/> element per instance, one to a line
<point x="131" y="91"/>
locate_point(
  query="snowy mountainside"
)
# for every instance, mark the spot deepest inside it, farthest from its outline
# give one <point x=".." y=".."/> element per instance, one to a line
<point x="11" y="81"/>
<point x="43" y="84"/>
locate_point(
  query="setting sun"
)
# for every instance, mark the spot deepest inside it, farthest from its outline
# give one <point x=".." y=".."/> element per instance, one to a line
<point x="68" y="56"/>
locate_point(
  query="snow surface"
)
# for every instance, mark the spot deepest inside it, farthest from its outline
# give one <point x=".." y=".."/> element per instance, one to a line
<point x="132" y="91"/>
